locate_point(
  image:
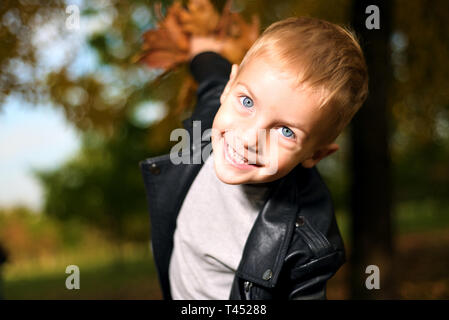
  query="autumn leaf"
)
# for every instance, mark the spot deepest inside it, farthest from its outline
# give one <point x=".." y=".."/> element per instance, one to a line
<point x="168" y="45"/>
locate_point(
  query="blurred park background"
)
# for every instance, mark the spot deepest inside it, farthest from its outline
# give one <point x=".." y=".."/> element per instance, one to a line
<point x="77" y="114"/>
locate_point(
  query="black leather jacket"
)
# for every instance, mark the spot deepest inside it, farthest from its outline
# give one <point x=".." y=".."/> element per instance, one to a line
<point x="294" y="246"/>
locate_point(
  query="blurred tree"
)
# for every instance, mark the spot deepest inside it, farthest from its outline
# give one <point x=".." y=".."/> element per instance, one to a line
<point x="20" y="21"/>
<point x="420" y="100"/>
<point x="102" y="186"/>
<point x="3" y="260"/>
<point x="370" y="190"/>
<point x="107" y="102"/>
<point x="404" y="120"/>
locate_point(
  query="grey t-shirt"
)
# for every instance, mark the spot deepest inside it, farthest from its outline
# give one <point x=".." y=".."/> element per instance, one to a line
<point x="212" y="227"/>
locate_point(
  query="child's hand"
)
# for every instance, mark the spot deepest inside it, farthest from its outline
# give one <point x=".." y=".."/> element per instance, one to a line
<point x="200" y="44"/>
<point x="199" y="18"/>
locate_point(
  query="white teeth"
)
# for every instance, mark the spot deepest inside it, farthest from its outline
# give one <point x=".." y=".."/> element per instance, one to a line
<point x="235" y="156"/>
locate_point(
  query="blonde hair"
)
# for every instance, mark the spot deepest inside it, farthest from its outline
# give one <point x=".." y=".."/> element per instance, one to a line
<point x="322" y="56"/>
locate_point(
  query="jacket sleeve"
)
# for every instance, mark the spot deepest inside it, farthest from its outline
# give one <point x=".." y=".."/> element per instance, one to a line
<point x="211" y="71"/>
<point x="310" y="279"/>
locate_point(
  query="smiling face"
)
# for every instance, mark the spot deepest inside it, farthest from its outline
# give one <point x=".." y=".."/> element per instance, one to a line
<point x="266" y="125"/>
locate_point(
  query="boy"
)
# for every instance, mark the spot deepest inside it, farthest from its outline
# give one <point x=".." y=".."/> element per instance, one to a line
<point x="230" y="228"/>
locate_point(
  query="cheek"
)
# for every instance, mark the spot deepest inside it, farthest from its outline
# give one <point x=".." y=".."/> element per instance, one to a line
<point x="287" y="160"/>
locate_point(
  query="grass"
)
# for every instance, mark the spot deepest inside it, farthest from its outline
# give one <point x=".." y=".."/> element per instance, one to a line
<point x="422" y="236"/>
<point x="408" y="217"/>
<point x="421" y="260"/>
<point x="422" y="215"/>
<point x="420" y="268"/>
<point x="119" y="277"/>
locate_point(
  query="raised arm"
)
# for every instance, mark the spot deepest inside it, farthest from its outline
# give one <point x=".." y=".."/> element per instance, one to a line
<point x="211" y="71"/>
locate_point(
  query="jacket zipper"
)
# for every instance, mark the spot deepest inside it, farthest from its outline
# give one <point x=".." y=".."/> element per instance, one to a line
<point x="247" y="288"/>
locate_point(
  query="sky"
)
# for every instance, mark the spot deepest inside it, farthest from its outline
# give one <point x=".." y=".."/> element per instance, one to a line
<point x="38" y="136"/>
<point x="31" y="137"/>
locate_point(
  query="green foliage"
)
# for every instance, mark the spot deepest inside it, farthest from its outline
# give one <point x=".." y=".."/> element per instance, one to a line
<point x="132" y="278"/>
<point x="40" y="248"/>
<point x="24" y="234"/>
<point x="19" y="22"/>
<point x="102" y="185"/>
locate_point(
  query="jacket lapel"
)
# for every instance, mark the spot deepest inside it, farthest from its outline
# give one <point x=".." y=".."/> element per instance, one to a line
<point x="166" y="186"/>
<point x="270" y="236"/>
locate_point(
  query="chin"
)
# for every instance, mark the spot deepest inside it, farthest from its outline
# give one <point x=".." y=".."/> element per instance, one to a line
<point x="225" y="175"/>
<point x="231" y="177"/>
<point x="228" y="179"/>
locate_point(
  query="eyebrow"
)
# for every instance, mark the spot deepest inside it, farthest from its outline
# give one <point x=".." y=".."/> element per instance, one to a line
<point x="289" y="124"/>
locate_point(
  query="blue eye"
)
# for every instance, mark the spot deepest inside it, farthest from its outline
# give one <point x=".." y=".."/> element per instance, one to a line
<point x="286" y="132"/>
<point x="246" y="102"/>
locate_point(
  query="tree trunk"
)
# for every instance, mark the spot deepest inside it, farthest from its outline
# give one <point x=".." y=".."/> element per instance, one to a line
<point x="371" y="189"/>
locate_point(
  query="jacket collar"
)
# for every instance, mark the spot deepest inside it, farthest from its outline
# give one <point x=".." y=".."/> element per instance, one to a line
<point x="270" y="236"/>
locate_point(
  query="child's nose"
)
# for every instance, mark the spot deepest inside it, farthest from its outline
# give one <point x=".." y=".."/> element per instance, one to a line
<point x="250" y="137"/>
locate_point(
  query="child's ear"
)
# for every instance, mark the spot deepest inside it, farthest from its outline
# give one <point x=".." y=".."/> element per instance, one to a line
<point x="232" y="76"/>
<point x="320" y="154"/>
